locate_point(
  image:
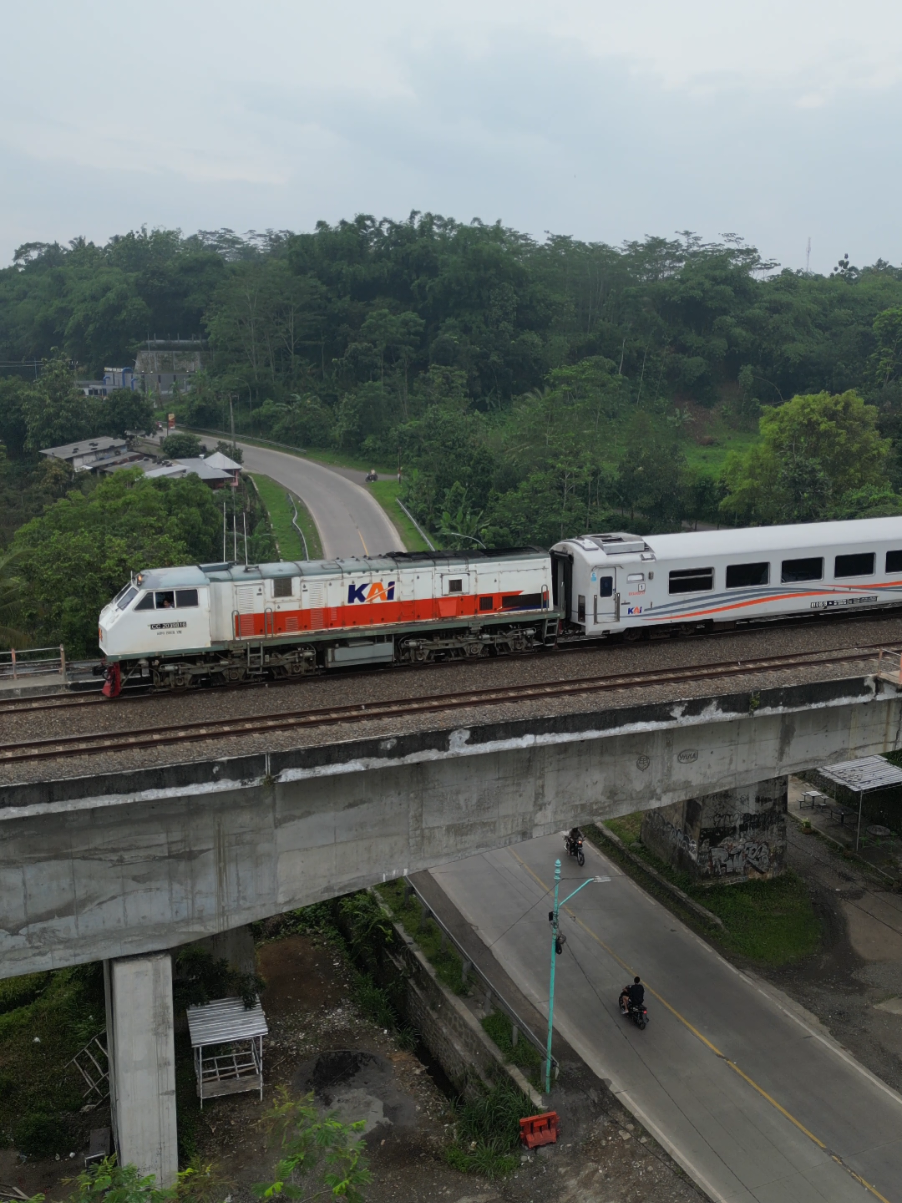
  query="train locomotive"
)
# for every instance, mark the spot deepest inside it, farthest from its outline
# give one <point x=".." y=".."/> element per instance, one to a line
<point x="179" y="627"/>
<point x="175" y="628"/>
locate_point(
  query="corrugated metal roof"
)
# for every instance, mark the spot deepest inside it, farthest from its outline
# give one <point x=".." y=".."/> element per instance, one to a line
<point x="223" y="1020"/>
<point x="869" y="773"/>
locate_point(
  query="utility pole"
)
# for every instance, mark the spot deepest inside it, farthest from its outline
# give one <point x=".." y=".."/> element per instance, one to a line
<point x="808" y="256"/>
<point x="557" y="947"/>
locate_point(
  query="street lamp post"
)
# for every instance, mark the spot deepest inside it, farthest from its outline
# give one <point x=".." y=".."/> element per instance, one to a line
<point x="556" y="949"/>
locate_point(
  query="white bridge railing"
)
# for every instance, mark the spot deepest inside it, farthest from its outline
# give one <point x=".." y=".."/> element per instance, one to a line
<point x="30" y="661"/>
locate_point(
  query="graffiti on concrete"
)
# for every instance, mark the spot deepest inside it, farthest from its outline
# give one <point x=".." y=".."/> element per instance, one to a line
<point x="717" y="853"/>
<point x="736" y="856"/>
<point x="670" y="834"/>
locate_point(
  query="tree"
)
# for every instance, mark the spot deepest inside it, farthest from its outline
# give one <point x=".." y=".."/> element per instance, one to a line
<point x="320" y="1156"/>
<point x="814" y="451"/>
<point x="78" y="554"/>
<point x="182" y="445"/>
<point x="126" y="411"/>
<point x="56" y="412"/>
<point x="14" y="396"/>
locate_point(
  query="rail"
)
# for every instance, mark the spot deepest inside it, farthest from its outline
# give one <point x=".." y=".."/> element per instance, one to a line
<point x="29" y="661"/>
<point x="423" y="534"/>
<point x="294" y="523"/>
<point x="491" y="994"/>
<point x="889" y="666"/>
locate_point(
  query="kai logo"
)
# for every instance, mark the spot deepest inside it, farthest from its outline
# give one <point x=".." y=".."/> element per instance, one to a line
<point x="375" y="592"/>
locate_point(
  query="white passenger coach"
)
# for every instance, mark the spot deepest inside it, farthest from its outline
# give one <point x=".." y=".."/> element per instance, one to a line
<point x="624" y="584"/>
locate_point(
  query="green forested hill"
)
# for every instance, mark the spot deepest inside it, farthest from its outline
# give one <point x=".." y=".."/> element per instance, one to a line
<point x="531" y="388"/>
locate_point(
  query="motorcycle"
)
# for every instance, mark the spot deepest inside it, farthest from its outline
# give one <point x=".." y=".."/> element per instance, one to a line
<point x="575" y="848"/>
<point x="370" y="477"/>
<point x="638" y="1014"/>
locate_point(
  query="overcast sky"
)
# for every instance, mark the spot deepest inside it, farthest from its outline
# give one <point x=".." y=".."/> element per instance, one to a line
<point x="777" y="120"/>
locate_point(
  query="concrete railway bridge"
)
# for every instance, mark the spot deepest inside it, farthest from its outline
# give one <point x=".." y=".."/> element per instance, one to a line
<point x="123" y="867"/>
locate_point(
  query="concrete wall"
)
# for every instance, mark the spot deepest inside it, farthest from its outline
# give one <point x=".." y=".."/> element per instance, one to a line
<point x="98" y="867"/>
<point x="733" y="833"/>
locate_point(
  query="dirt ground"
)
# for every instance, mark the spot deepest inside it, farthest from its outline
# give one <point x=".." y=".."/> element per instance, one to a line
<point x="600" y="1157"/>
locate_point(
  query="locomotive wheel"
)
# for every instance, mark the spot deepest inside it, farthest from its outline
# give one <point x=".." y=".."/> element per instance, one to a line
<point x="474" y="649"/>
<point x="632" y="635"/>
<point x="234" y="674"/>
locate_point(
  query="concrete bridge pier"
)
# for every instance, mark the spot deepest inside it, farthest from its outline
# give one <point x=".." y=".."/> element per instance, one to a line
<point x="734" y="833"/>
<point x="141" y="1046"/>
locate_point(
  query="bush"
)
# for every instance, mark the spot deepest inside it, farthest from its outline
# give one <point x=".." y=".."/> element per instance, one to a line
<point x="40" y="1135"/>
<point x="20" y="991"/>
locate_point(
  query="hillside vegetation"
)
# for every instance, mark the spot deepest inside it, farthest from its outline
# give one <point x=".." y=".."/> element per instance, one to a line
<point x="531" y="389"/>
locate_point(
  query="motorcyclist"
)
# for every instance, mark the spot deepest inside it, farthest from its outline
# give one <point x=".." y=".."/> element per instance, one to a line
<point x="573" y="838"/>
<point x="636" y="993"/>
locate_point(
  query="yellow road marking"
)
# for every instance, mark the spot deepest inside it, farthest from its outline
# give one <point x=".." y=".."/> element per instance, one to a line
<point x="705" y="1041"/>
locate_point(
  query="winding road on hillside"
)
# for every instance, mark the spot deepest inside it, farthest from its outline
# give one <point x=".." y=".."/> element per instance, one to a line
<point x="349" y="520"/>
<point x="743" y="1088"/>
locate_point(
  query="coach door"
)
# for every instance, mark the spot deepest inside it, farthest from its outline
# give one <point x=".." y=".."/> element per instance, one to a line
<point x="605" y="598"/>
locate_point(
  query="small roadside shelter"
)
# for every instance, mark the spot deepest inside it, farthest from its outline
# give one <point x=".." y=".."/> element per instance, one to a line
<point x="227" y="1040"/>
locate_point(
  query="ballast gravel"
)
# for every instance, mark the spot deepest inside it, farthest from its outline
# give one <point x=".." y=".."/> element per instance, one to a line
<point x="443" y="680"/>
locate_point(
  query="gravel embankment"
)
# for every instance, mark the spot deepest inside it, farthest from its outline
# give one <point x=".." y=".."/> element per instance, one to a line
<point x="366" y="688"/>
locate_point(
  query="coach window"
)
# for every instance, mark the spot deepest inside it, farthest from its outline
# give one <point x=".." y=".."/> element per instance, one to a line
<point x="605" y="586"/>
<point x="456" y="586"/>
<point x="742" y="576"/>
<point x="281" y="586"/>
<point x="580" y="608"/>
<point x="691" y="580"/>
<point x="185" y="598"/>
<point x="165" y="600"/>
<point x="809" y="569"/>
<point x="146" y="602"/>
<point x="859" y="564"/>
<point x="894" y="561"/>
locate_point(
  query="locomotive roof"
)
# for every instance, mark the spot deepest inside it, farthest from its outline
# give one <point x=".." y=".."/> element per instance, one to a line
<point x="201" y="574"/>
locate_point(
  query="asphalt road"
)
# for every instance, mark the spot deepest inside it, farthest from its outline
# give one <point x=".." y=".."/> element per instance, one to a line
<point x="742" y="1088"/>
<point x="349" y="520"/>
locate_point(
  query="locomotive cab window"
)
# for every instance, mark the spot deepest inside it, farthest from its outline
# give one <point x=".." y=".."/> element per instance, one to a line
<point x="125" y="598"/>
<point x="809" y="569"/>
<point x="859" y="564"/>
<point x="165" y="599"/>
<point x="580" y="608"/>
<point x="146" y="602"/>
<point x="185" y="598"/>
<point x="691" y="580"/>
<point x="741" y="576"/>
<point x="281" y="586"/>
<point x="894" y="561"/>
<point x="605" y="586"/>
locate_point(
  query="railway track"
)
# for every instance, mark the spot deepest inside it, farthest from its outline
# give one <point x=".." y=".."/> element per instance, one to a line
<point x="152" y="737"/>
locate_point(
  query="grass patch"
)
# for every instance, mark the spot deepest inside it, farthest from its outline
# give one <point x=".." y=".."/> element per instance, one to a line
<point x="711" y="460"/>
<point x="386" y="492"/>
<point x="276" y="499"/>
<point x="487" y="1131"/>
<point x="46" y="1020"/>
<point x="446" y="962"/>
<point x="497" y="1027"/>
<point x="769" y="922"/>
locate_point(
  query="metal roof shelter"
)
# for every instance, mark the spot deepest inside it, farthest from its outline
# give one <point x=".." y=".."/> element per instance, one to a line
<point x="869" y="773"/>
<point x="862" y="777"/>
<point x="227" y="1039"/>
